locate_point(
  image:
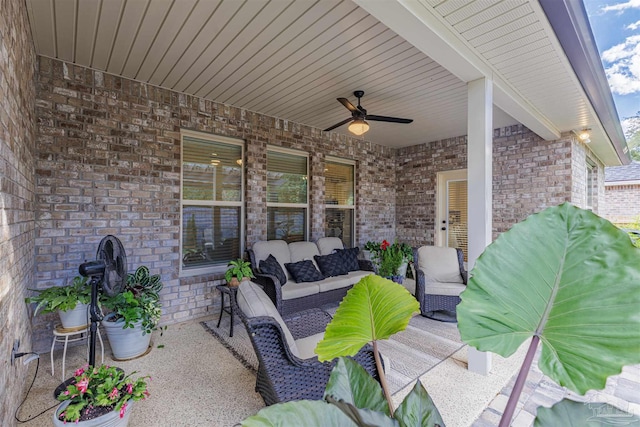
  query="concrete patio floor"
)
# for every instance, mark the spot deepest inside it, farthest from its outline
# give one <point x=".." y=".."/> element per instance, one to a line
<point x="196" y="381"/>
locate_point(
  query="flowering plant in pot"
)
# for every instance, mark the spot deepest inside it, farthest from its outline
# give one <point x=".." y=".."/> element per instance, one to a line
<point x="69" y="301"/>
<point x="238" y="270"/>
<point x="101" y="391"/>
<point x="137" y="308"/>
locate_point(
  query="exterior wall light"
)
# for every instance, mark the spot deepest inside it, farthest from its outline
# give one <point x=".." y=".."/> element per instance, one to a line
<point x="584" y="135"/>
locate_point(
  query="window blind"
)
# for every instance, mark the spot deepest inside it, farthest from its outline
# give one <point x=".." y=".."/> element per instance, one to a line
<point x="339" y="185"/>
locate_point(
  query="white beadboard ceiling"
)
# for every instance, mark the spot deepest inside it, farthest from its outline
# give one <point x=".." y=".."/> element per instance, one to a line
<point x="292" y="58"/>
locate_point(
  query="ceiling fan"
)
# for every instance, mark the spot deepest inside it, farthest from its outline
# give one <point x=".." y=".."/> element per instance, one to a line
<point x="359" y="116"/>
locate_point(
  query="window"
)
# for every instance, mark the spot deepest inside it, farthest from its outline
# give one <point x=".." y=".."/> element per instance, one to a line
<point x="212" y="202"/>
<point x="591" y="184"/>
<point x="339" y="178"/>
<point x="287" y="195"/>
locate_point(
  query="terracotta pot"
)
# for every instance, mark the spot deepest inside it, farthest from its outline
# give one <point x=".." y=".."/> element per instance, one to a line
<point x="234" y="282"/>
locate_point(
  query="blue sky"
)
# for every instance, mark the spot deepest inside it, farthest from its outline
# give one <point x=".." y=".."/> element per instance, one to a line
<point x="616" y="28"/>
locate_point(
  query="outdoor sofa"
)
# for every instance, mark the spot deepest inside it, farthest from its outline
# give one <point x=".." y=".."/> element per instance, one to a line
<point x="303" y="275"/>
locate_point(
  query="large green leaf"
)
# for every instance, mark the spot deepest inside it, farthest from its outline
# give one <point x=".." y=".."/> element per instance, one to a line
<point x="569" y="277"/>
<point x="364" y="417"/>
<point x="303" y="413"/>
<point x="374" y="309"/>
<point x="568" y="413"/>
<point x="350" y="383"/>
<point x="418" y="410"/>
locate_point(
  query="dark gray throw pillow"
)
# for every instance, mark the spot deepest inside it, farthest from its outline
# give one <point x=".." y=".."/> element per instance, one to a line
<point x="350" y="258"/>
<point x="272" y="266"/>
<point x="332" y="264"/>
<point x="304" y="271"/>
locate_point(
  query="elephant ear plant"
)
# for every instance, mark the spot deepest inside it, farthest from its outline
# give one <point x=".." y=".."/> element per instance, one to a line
<point x="569" y="280"/>
<point x="564" y="278"/>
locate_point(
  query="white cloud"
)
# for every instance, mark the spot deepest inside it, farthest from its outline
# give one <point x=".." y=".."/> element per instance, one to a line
<point x="622" y="66"/>
<point x="633" y="26"/>
<point x="620" y="7"/>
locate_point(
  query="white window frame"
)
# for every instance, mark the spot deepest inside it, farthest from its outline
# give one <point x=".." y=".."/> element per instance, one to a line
<point x="241" y="203"/>
<point x="291" y="205"/>
<point x="351" y="207"/>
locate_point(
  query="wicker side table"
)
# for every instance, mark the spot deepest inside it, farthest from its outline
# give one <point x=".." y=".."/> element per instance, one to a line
<point x="231" y="292"/>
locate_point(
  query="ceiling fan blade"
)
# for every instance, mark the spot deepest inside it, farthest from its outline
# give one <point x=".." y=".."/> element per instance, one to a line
<point x="337" y="125"/>
<point x="346" y="103"/>
<point x="387" y="119"/>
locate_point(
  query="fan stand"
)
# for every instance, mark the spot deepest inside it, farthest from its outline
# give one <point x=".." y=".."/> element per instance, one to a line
<point x="96" y="317"/>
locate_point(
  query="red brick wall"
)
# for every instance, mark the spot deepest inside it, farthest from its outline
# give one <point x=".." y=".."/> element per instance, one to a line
<point x="17" y="149"/>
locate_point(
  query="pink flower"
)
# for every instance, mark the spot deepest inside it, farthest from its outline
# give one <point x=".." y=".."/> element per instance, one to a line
<point x="83" y="385"/>
<point x="66" y="392"/>
<point x="124" y="408"/>
<point x="130" y="388"/>
<point x="113" y="394"/>
<point x="79" y="372"/>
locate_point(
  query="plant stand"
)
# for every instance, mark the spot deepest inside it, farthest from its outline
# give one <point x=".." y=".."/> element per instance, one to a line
<point x="63" y="335"/>
<point x="231" y="291"/>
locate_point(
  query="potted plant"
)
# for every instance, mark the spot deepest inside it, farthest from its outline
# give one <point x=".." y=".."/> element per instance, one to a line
<point x="238" y="271"/>
<point x="564" y="278"/>
<point x="390" y="259"/>
<point x="135" y="313"/>
<point x="99" y="396"/>
<point x="71" y="302"/>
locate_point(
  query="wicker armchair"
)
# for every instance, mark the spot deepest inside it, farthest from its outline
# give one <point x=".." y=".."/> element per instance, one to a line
<point x="286" y="370"/>
<point x="440" y="278"/>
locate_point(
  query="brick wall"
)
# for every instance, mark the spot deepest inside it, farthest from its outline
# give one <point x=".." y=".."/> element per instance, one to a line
<point x="529" y="174"/>
<point x="579" y="156"/>
<point x="622" y="203"/>
<point x="109" y="163"/>
<point x="17" y="147"/>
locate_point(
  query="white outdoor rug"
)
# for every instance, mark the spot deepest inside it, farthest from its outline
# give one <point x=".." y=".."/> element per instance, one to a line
<point x="411" y="353"/>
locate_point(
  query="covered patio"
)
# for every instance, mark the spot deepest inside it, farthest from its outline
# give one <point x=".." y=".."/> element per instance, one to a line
<point x="101" y="102"/>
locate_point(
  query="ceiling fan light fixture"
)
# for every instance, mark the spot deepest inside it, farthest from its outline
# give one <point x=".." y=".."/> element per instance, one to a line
<point x="358" y="127"/>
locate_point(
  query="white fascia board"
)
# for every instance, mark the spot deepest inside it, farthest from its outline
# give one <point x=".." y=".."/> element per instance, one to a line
<point x="417" y="23"/>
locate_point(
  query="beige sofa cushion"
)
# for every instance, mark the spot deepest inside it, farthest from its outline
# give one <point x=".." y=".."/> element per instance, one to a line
<point x="278" y="248"/>
<point x="338" y="282"/>
<point x="327" y="245"/>
<point x="300" y="251"/>
<point x="297" y="290"/>
<point x="254" y="303"/>
<point x="439" y="264"/>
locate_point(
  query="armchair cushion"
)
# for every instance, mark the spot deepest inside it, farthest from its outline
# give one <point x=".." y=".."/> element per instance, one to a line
<point x="255" y="303"/>
<point x="304" y="271"/>
<point x="332" y="265"/>
<point x="350" y="258"/>
<point x="272" y="266"/>
<point x="439" y="264"/>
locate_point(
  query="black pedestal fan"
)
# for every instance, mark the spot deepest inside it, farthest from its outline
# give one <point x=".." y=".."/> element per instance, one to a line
<point x="108" y="275"/>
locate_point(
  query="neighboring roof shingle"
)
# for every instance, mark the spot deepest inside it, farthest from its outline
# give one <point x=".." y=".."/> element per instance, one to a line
<point x="630" y="172"/>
